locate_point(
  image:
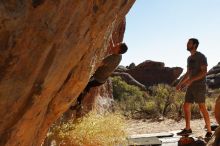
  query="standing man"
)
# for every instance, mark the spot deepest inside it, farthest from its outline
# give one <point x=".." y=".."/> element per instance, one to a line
<point x="194" y="80"/>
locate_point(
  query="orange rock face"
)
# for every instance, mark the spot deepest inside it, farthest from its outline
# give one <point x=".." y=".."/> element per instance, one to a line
<point x="48" y="51"/>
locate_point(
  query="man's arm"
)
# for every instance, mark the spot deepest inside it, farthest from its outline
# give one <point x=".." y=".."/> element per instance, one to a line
<point x="201" y="75"/>
<point x="183" y="80"/>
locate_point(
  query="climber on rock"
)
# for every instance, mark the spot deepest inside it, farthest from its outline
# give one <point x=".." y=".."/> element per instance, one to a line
<point x="106" y="68"/>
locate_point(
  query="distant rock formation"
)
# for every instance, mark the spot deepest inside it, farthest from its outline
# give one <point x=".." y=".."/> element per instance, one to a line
<point x="131" y="66"/>
<point x="150" y="73"/>
<point x="149" y="64"/>
<point x="213" y="77"/>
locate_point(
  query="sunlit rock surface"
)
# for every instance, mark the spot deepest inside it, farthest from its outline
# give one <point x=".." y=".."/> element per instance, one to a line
<point x="48" y="51"/>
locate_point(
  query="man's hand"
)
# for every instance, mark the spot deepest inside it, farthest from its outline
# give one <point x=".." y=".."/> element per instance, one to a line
<point x="188" y="83"/>
<point x="178" y="87"/>
<point x="184" y="84"/>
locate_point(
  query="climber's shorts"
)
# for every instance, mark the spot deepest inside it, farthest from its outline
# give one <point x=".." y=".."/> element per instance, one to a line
<point x="195" y="93"/>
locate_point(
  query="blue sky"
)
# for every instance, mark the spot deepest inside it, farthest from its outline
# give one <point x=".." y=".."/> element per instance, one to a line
<point x="159" y="30"/>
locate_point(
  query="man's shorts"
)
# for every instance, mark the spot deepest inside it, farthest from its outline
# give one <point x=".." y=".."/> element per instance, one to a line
<point x="195" y="93"/>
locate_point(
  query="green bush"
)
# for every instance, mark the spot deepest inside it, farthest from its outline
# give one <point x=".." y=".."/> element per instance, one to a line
<point x="129" y="98"/>
<point x="163" y="100"/>
<point x="150" y="107"/>
<point x="210" y="103"/>
<point x="169" y="101"/>
<point x="121" y="89"/>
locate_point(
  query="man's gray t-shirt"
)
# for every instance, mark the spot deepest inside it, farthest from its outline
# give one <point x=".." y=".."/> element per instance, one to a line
<point x="194" y="63"/>
<point x="109" y="65"/>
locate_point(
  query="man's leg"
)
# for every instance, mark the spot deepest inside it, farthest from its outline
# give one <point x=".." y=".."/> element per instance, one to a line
<point x="187" y="113"/>
<point x="217" y="110"/>
<point x="205" y="114"/>
<point x="91" y="84"/>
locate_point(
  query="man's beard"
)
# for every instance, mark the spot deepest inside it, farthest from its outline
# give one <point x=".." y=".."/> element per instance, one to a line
<point x="189" y="49"/>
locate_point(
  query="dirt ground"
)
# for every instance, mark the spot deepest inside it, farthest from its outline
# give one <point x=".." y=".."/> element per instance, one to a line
<point x="147" y="126"/>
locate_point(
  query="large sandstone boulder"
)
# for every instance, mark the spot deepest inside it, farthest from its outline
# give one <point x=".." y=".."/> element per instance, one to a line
<point x="213" y="77"/>
<point x="150" y="73"/>
<point x="48" y="51"/>
<point x="149" y="64"/>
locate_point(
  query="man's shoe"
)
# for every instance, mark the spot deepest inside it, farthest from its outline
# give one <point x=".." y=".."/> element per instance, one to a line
<point x="214" y="126"/>
<point x="185" y="132"/>
<point x="208" y="135"/>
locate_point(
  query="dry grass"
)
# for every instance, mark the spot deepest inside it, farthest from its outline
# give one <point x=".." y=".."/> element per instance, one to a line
<point x="92" y="130"/>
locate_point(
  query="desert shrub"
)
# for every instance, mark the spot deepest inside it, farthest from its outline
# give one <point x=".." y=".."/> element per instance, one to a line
<point x="121" y="90"/>
<point x="150" y="107"/>
<point x="214" y="92"/>
<point x="210" y="103"/>
<point x="92" y="130"/>
<point x="210" y="99"/>
<point x="168" y="100"/>
<point x="162" y="100"/>
<point x="129" y="98"/>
